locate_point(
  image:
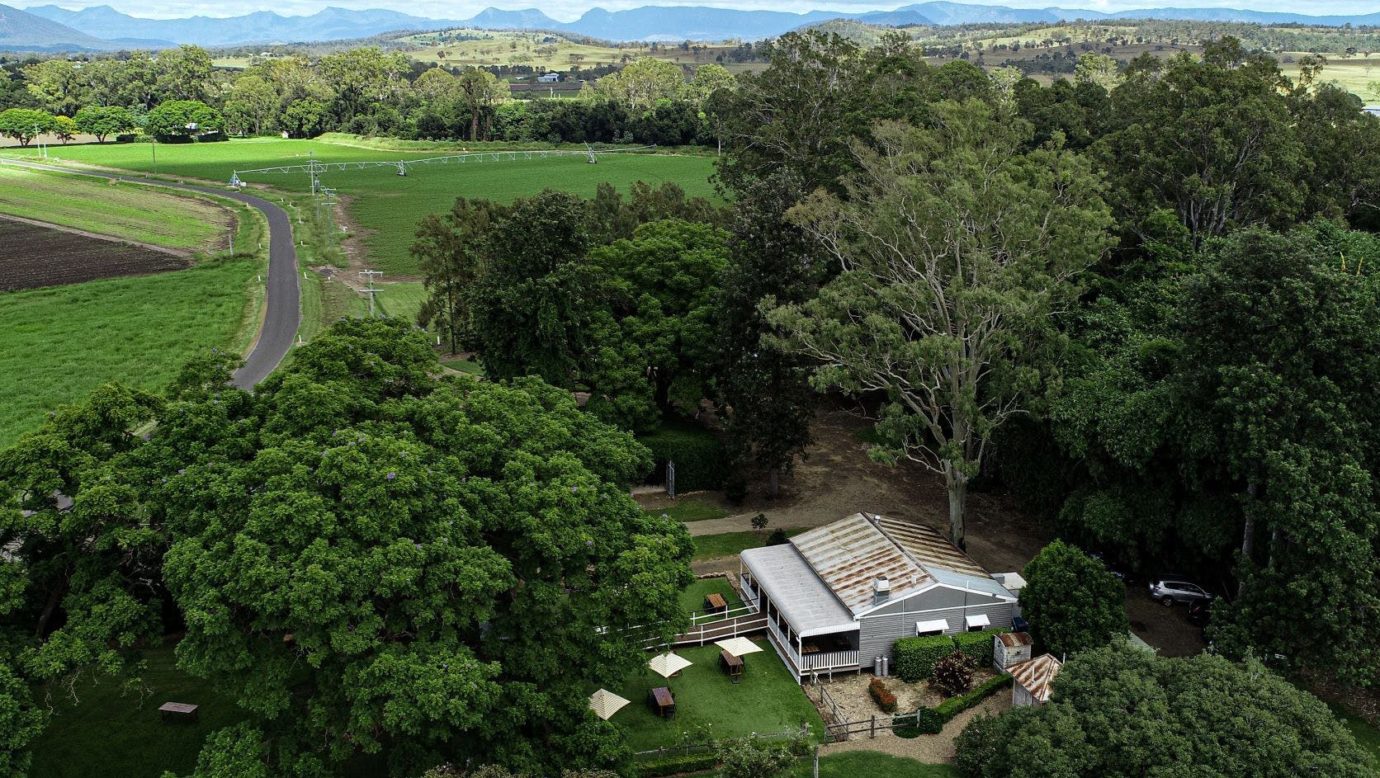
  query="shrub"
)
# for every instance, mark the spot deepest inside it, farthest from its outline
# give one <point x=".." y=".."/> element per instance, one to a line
<point x="952" y="675"/>
<point x="674" y="765"/>
<point x="913" y="658"/>
<point x="956" y="705"/>
<point x="882" y="695"/>
<point x="977" y="646"/>
<point x="1072" y="602"/>
<point x="701" y="461"/>
<point x="777" y="537"/>
<point x="929" y="721"/>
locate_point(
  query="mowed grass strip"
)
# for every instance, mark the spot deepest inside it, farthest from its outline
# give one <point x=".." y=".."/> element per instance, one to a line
<point x="385" y="206"/>
<point x="729" y="544"/>
<point x="63" y="341"/>
<point x="129" y="211"/>
<point x="767" y="701"/>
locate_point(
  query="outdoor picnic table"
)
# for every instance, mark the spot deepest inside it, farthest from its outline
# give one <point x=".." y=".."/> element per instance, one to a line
<point x="733" y="665"/>
<point x="178" y="709"/>
<point x="715" y="603"/>
<point x="663" y="704"/>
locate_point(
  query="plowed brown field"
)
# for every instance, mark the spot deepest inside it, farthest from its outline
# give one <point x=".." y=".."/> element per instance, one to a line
<point x="32" y="256"/>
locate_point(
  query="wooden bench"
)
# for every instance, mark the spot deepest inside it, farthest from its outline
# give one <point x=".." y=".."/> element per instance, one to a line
<point x="715" y="603"/>
<point x="178" y="709"/>
<point x="732" y="665"/>
<point x="661" y="702"/>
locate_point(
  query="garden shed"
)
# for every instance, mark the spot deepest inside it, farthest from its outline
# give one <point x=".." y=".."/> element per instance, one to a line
<point x="1010" y="648"/>
<point x="1033" y="679"/>
<point x="837" y="597"/>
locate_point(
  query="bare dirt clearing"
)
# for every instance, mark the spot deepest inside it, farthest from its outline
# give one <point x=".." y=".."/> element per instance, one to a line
<point x="35" y="256"/>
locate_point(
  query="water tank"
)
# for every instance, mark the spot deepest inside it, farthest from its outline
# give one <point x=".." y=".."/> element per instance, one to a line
<point x="877" y="666"/>
<point x="885" y="671"/>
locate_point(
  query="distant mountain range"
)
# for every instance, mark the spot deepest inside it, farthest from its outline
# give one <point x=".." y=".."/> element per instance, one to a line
<point x="103" y="27"/>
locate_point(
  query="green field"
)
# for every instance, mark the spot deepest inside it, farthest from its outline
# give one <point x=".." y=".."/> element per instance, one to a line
<point x="767" y="701"/>
<point x="385" y="206"/>
<point x="401" y="299"/>
<point x="110" y="731"/>
<point x="63" y="341"/>
<point x="688" y="509"/>
<point x="128" y="211"/>
<point x="728" y="544"/>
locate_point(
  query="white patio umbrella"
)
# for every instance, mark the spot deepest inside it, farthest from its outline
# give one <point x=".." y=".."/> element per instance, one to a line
<point x="669" y="663"/>
<point x="605" y="703"/>
<point x="738" y="646"/>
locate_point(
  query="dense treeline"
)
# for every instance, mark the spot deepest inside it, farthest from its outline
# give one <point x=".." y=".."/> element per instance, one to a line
<point x="1145" y="301"/>
<point x="367" y="91"/>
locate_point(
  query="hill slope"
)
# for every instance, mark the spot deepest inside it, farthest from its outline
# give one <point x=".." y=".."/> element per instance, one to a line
<point x="23" y="31"/>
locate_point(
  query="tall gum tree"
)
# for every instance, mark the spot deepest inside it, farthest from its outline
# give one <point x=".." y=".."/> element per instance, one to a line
<point x="956" y="252"/>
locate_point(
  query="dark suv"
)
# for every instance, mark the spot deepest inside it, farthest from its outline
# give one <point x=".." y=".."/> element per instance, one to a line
<point x="1171" y="591"/>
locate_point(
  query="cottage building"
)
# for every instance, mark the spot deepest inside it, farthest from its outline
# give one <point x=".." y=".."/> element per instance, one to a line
<point x="1032" y="680"/>
<point x="549" y="78"/>
<point x="837" y="597"/>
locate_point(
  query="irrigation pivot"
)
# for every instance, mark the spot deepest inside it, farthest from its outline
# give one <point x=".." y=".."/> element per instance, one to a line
<point x="315" y="167"/>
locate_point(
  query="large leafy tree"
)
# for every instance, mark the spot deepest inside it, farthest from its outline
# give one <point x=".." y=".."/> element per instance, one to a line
<point x="1121" y="712"/>
<point x="1072" y="601"/>
<point x="376" y="561"/>
<point x="652" y="340"/>
<point x="957" y="249"/>
<point x="79" y="558"/>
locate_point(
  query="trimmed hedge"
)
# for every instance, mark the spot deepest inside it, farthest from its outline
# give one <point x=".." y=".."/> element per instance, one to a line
<point x="977" y="646"/>
<point x="700" y="457"/>
<point x="882" y="696"/>
<point x="914" y="658"/>
<point x="675" y="765"/>
<point x="931" y="721"/>
<point x="956" y="705"/>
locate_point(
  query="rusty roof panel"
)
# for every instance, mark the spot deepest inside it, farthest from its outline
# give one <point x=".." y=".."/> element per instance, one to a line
<point x="1015" y="639"/>
<point x="1037" y="675"/>
<point x="929" y="547"/>
<point x="852" y="553"/>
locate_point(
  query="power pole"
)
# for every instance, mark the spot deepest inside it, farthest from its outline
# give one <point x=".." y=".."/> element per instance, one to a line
<point x="369" y="288"/>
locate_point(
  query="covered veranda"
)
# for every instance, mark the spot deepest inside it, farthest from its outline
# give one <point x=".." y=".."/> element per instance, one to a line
<point x="812" y="631"/>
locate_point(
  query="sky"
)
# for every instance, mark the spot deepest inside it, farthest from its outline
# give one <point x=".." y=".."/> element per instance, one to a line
<point x="568" y="10"/>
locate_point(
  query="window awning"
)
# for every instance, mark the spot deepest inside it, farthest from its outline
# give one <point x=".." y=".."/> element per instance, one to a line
<point x="978" y="620"/>
<point x="933" y="625"/>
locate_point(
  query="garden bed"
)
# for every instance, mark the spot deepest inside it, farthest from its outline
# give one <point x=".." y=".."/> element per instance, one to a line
<point x="850" y="694"/>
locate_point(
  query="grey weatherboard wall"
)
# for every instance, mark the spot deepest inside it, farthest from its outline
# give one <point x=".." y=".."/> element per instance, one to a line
<point x="883" y="627"/>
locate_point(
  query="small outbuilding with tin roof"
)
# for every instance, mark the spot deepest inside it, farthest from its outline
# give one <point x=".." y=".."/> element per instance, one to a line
<point x="1033" y="679"/>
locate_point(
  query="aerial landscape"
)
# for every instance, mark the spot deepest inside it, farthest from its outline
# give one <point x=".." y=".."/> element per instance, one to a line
<point x="767" y="390"/>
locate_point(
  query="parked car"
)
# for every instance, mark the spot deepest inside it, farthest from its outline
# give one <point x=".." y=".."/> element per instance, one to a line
<point x="1173" y="591"/>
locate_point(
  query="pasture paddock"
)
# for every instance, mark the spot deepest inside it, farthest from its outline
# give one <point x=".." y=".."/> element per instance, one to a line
<point x="385" y="206"/>
<point x="122" y="210"/>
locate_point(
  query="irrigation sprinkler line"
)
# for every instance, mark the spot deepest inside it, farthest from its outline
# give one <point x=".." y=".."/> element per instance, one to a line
<point x="315" y="167"/>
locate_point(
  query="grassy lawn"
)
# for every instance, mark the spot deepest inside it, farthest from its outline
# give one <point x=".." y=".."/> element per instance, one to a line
<point x="857" y="764"/>
<point x="110" y="733"/>
<point x="730" y="543"/>
<point x="1366" y="735"/>
<point x="402" y="299"/>
<point x="692" y="597"/>
<point x="63" y="341"/>
<point x="387" y="206"/>
<point x="137" y="213"/>
<point x="690" y="509"/>
<point x="464" y="366"/>
<point x="767" y="700"/>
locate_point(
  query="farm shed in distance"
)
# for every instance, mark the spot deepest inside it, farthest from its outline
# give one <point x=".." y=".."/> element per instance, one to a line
<point x="837" y="597"/>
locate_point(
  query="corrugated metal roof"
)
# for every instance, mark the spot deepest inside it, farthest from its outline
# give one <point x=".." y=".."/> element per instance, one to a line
<point x="1015" y="639"/>
<point x="929" y="547"/>
<point x="1037" y="675"/>
<point x="940" y="558"/>
<point x="852" y="553"/>
<point x="793" y="587"/>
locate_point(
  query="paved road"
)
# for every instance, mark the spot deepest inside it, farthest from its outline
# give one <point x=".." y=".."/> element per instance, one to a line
<point x="284" y="302"/>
